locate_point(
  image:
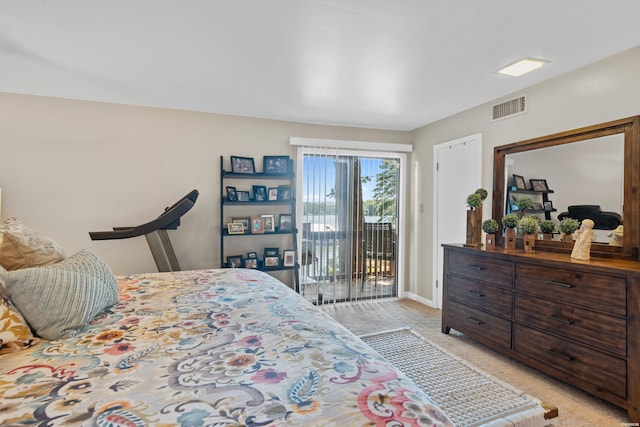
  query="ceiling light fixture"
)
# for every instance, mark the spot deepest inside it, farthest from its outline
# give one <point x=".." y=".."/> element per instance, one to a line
<point x="522" y="67"/>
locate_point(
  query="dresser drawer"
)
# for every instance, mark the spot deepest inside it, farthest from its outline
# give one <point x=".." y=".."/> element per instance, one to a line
<point x="599" y="330"/>
<point x="479" y="325"/>
<point x="481" y="295"/>
<point x="592" y="290"/>
<point x="603" y="371"/>
<point x="475" y="266"/>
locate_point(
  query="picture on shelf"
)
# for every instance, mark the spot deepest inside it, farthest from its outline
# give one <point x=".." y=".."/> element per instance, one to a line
<point x="277" y="165"/>
<point x="519" y="182"/>
<point x="252" y="255"/>
<point x="271" y="252"/>
<point x="232" y="196"/>
<point x="272" y="261"/>
<point x="268" y="223"/>
<point x="257" y="226"/>
<point x="251" y="263"/>
<point x="285" y="222"/>
<point x="244" y="221"/>
<point x="273" y="193"/>
<point x="289" y="258"/>
<point x="235" y="228"/>
<point x="259" y="193"/>
<point x="284" y="192"/>
<point x="548" y="206"/>
<point x="537" y="206"/>
<point x="539" y="184"/>
<point x="243" y="196"/>
<point x="242" y="165"/>
<point x="234" y="261"/>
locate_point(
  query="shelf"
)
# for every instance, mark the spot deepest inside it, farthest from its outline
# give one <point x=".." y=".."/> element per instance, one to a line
<point x="255" y="203"/>
<point x="514" y="189"/>
<point x="270" y="233"/>
<point x="258" y="175"/>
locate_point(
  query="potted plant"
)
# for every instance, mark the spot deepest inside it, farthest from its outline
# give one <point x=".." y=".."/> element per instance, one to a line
<point x="524" y="203"/>
<point x="528" y="226"/>
<point x="547" y="227"/>
<point x="490" y="226"/>
<point x="568" y="226"/>
<point x="510" y="222"/>
<point x="474" y="217"/>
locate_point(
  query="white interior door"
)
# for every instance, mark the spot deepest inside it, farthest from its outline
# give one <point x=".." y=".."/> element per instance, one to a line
<point x="457" y="173"/>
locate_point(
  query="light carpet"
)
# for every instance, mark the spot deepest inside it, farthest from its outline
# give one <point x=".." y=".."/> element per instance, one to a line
<point x="469" y="396"/>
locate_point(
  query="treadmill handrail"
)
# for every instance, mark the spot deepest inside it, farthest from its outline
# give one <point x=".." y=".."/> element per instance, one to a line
<point x="170" y="215"/>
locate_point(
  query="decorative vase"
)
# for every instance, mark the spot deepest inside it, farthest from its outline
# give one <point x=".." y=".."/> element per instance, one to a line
<point x="474" y="227"/>
<point x="547" y="236"/>
<point x="567" y="237"/>
<point x="510" y="239"/>
<point x="490" y="242"/>
<point x="529" y="243"/>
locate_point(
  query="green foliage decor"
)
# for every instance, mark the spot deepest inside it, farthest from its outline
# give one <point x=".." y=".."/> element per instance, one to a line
<point x="528" y="225"/>
<point x="490" y="226"/>
<point x="524" y="203"/>
<point x="510" y="220"/>
<point x="569" y="225"/>
<point x="474" y="200"/>
<point x="547" y="226"/>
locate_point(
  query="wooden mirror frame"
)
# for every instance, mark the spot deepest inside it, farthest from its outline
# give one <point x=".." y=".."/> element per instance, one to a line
<point x="630" y="128"/>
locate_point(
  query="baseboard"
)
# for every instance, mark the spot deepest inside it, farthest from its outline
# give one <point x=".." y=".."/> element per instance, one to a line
<point x="419" y="299"/>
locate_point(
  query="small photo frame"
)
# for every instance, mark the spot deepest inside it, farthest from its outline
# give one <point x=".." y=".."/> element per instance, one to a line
<point x="271" y="252"/>
<point x="269" y="223"/>
<point x="548" y="206"/>
<point x="257" y="226"/>
<point x="537" y="207"/>
<point x="288" y="258"/>
<point x="284" y="192"/>
<point x="259" y="193"/>
<point x="251" y="263"/>
<point x="271" y="261"/>
<point x="539" y="184"/>
<point x="244" y="221"/>
<point x="273" y="193"/>
<point x="252" y="255"/>
<point x="519" y="182"/>
<point x="235" y="228"/>
<point x="276" y="165"/>
<point x="242" y="165"/>
<point x="285" y="223"/>
<point x="234" y="261"/>
<point x="232" y="195"/>
<point x="243" y="196"/>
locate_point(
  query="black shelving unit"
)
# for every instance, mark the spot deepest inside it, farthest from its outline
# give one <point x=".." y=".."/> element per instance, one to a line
<point x="542" y="194"/>
<point x="226" y="206"/>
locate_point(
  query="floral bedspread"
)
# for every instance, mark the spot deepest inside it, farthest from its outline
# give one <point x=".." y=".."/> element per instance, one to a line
<point x="209" y="348"/>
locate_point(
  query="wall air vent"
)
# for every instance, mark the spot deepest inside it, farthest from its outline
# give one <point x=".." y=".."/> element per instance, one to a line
<point x="510" y="108"/>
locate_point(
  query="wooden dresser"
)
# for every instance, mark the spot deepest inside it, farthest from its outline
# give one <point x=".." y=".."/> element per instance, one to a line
<point x="578" y="321"/>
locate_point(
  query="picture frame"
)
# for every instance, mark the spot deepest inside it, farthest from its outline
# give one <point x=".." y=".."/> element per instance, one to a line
<point x="243" y="196"/>
<point x="273" y="193"/>
<point x="242" y="164"/>
<point x="235" y="228"/>
<point x="284" y="192"/>
<point x="548" y="205"/>
<point x="234" y="261"/>
<point x="519" y="182"/>
<point x="245" y="220"/>
<point x="257" y="226"/>
<point x="259" y="193"/>
<point x="285" y="222"/>
<point x="232" y="195"/>
<point x="539" y="184"/>
<point x="269" y="223"/>
<point x="271" y="252"/>
<point x="288" y="258"/>
<point x="252" y="255"/>
<point x="271" y="261"/>
<point x="251" y="263"/>
<point x="537" y="206"/>
<point x="275" y="165"/>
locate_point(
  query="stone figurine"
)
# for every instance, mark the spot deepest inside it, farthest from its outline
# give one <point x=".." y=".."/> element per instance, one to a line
<point x="616" y="236"/>
<point x="583" y="238"/>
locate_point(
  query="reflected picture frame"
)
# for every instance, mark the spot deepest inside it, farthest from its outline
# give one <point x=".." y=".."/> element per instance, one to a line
<point x="235" y="228"/>
<point x="234" y="261"/>
<point x="539" y="184"/>
<point x="519" y="182"/>
<point x="271" y="261"/>
<point x="257" y="225"/>
<point x="275" y="165"/>
<point x="269" y="223"/>
<point x="242" y="165"/>
<point x="288" y="258"/>
<point x="285" y="222"/>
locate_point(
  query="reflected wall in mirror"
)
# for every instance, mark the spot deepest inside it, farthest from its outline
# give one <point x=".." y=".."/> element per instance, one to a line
<point x="595" y="165"/>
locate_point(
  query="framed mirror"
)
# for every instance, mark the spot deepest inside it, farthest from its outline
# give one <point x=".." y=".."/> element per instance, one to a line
<point x="615" y="191"/>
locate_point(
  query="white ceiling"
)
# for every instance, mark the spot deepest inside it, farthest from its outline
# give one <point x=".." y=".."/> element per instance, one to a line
<point x="389" y="64"/>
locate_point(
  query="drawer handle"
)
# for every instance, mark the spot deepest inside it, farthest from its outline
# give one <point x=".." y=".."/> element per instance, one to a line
<point x="561" y="355"/>
<point x="474" y="293"/>
<point x="560" y="319"/>
<point x="562" y="285"/>
<point x="472" y="320"/>
<point x="477" y="267"/>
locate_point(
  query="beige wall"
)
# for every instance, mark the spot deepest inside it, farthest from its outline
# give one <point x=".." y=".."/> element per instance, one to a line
<point x="70" y="167"/>
<point x="603" y="91"/>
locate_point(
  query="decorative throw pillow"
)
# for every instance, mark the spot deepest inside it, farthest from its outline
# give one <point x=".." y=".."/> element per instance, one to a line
<point x="21" y="247"/>
<point x="15" y="334"/>
<point x="59" y="299"/>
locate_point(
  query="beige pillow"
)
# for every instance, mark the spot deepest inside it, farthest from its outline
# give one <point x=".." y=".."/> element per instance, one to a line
<point x="15" y="334"/>
<point x="28" y="249"/>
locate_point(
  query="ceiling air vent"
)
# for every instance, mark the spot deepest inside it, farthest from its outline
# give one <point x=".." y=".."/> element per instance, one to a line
<point x="510" y="108"/>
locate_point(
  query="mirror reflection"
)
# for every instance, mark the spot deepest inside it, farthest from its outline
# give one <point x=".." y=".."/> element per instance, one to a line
<point x="587" y="176"/>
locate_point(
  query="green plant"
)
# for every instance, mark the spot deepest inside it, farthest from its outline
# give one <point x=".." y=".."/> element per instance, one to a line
<point x="490" y="226"/>
<point x="474" y="200"/>
<point x="547" y="226"/>
<point x="510" y="220"/>
<point x="524" y="203"/>
<point x="482" y="193"/>
<point x="569" y="225"/>
<point x="528" y="225"/>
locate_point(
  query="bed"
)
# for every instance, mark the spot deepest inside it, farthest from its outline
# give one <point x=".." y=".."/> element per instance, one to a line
<point x="219" y="347"/>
